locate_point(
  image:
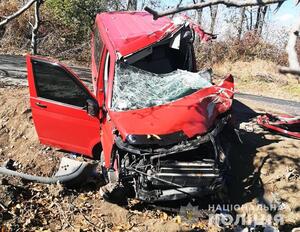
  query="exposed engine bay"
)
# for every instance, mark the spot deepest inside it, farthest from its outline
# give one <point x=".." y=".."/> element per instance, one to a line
<point x="172" y="167"/>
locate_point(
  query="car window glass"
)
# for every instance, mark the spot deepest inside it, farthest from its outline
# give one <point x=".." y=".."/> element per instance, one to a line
<point x="98" y="46"/>
<point x="54" y="83"/>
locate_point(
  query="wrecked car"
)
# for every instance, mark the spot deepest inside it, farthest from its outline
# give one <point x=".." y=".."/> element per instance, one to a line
<point x="152" y="119"/>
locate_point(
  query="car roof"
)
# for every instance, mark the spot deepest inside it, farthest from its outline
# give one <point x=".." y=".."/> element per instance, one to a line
<point x="127" y="32"/>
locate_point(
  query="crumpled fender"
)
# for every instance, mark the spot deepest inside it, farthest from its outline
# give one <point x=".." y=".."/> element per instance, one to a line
<point x="284" y="124"/>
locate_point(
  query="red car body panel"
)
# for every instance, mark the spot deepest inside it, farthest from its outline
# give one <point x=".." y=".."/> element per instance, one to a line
<point x="132" y="31"/>
<point x="282" y="124"/>
<point x="194" y="114"/>
<point x="61" y="125"/>
<point x="107" y="140"/>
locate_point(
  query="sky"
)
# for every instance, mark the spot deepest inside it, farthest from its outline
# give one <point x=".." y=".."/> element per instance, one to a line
<point x="287" y="15"/>
<point x="278" y="22"/>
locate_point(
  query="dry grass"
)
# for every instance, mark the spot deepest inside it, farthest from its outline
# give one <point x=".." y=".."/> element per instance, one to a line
<point x="249" y="48"/>
<point x="260" y="77"/>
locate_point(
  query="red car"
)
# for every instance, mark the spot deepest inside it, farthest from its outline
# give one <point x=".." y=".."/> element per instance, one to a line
<point x="152" y="119"/>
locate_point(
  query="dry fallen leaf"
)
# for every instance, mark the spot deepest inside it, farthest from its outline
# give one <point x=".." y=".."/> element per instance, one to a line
<point x="164" y="216"/>
<point x="178" y="219"/>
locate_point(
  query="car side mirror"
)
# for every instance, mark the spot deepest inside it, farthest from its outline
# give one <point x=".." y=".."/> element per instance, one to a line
<point x="92" y="108"/>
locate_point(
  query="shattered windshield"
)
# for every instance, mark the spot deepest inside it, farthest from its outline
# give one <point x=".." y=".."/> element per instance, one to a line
<point x="135" y="88"/>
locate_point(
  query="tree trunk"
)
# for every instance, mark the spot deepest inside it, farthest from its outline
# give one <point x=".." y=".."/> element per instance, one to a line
<point x="198" y="13"/>
<point x="251" y="19"/>
<point x="35" y="27"/>
<point x="257" y="18"/>
<point x="262" y="20"/>
<point x="132" y="5"/>
<point x="241" y="22"/>
<point x="213" y="14"/>
<point x="199" y="16"/>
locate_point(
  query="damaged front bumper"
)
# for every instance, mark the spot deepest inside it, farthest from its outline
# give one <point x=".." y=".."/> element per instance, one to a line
<point x="191" y="168"/>
<point x="185" y="144"/>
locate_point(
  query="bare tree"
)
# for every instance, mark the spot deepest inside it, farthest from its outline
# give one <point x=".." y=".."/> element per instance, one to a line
<point x="199" y="13"/>
<point x="258" y="13"/>
<point x="241" y="22"/>
<point x="199" y="16"/>
<point x="17" y="13"/>
<point x="119" y="5"/>
<point x="251" y="19"/>
<point x="213" y="16"/>
<point x="248" y="18"/>
<point x="260" y="19"/>
<point x="132" y="5"/>
<point x="35" y="26"/>
<point x="294" y="66"/>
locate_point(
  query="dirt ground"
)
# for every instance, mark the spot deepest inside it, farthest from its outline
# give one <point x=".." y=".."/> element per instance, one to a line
<point x="30" y="207"/>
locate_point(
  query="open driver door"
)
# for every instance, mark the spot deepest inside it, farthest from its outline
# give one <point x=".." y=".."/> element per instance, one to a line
<point x="64" y="111"/>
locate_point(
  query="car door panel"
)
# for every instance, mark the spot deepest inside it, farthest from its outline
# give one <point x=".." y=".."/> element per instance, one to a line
<point x="57" y="123"/>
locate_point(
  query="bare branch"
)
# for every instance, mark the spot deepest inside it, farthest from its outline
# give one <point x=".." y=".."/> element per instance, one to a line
<point x="236" y="3"/>
<point x="287" y="70"/>
<point x="179" y="3"/>
<point x="35" y="27"/>
<point x="17" y="13"/>
<point x="294" y="66"/>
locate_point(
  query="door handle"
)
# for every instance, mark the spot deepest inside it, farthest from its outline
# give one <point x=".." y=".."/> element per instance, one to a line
<point x="40" y="105"/>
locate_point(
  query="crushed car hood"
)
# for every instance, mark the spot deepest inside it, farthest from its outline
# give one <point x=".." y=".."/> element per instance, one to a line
<point x="130" y="32"/>
<point x="194" y="114"/>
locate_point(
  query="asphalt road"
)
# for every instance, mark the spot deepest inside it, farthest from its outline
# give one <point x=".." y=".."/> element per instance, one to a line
<point x="13" y="72"/>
